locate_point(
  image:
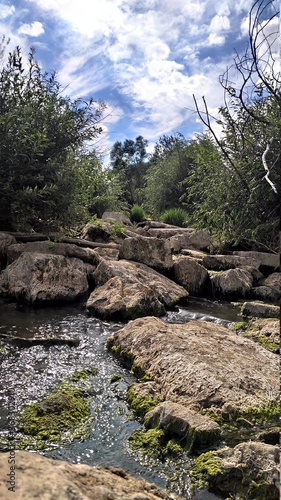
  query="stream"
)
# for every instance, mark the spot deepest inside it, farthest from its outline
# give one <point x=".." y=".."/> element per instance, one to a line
<point x="27" y="374"/>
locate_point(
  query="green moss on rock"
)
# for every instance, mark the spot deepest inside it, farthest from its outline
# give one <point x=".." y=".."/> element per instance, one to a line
<point x="141" y="404"/>
<point x="149" y="442"/>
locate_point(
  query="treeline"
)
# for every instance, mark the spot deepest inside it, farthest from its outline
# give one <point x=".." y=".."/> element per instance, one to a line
<point x="51" y="175"/>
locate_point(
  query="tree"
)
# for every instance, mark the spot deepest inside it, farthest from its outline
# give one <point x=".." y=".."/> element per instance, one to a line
<point x="168" y="167"/>
<point x="42" y="133"/>
<point x="252" y="109"/>
<point x="128" y="161"/>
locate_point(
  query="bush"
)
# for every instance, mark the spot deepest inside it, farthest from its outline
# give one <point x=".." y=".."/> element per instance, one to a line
<point x="174" y="216"/>
<point x="137" y="214"/>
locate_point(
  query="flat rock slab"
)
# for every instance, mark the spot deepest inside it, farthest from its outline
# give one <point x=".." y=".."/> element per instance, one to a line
<point x="37" y="278"/>
<point x="45" y="478"/>
<point x="225" y="262"/>
<point x="201" y="365"/>
<point x="266" y="259"/>
<point x="260" y="310"/>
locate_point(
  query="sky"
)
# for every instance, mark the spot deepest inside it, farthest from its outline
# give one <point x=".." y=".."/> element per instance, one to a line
<point x="144" y="58"/>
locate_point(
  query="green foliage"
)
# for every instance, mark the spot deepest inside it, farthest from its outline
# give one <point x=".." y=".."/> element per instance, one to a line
<point x="137" y="214"/>
<point x="229" y="195"/>
<point x="42" y="134"/>
<point x="175" y="216"/>
<point x="128" y="163"/>
<point x="118" y="229"/>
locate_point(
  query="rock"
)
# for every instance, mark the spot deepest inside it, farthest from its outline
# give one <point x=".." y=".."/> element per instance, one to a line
<point x="270" y="290"/>
<point x="199" y="240"/>
<point x="191" y="275"/>
<point x="36" y="278"/>
<point x="121" y="300"/>
<point x="108" y="253"/>
<point x="260" y="310"/>
<point x="113" y="216"/>
<point x="153" y="252"/>
<point x="49" y="247"/>
<point x="195" y="254"/>
<point x="40" y="477"/>
<point x="249" y="470"/>
<point x="102" y="231"/>
<point x="5" y="241"/>
<point x="225" y="262"/>
<point x="200" y="364"/>
<point x="193" y="430"/>
<point x="266" y="332"/>
<point x="266" y="259"/>
<point x="232" y="283"/>
<point x="134" y="273"/>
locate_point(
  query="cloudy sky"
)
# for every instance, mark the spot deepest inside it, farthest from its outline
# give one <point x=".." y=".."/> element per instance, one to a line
<point x="144" y="58"/>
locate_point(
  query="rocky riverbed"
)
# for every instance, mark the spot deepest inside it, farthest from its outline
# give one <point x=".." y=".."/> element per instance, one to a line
<point x="203" y="396"/>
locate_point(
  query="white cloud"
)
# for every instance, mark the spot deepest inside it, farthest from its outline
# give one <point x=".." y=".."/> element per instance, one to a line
<point x="219" y="23"/>
<point x="214" y="39"/>
<point x="34" y="29"/>
<point x="6" y="11"/>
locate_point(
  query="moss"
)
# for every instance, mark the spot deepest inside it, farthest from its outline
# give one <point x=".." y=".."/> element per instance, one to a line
<point x="269" y="344"/>
<point x="82" y="374"/>
<point x="204" y="468"/>
<point x="116" y="378"/>
<point x="266" y="414"/>
<point x="59" y="417"/>
<point x="141" y="404"/>
<point x="240" y="326"/>
<point x="150" y="442"/>
<point x="262" y="490"/>
<point x="173" y="448"/>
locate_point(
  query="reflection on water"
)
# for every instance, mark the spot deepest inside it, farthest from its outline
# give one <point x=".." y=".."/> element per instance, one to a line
<point x="29" y="373"/>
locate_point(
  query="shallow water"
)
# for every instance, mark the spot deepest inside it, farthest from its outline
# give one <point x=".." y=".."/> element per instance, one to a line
<point x="27" y="374"/>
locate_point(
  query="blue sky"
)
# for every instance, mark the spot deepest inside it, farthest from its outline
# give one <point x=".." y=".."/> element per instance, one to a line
<point x="144" y="58"/>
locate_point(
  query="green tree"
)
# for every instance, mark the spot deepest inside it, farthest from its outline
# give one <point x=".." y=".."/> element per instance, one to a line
<point x="168" y="167"/>
<point x="41" y="136"/>
<point x="128" y="162"/>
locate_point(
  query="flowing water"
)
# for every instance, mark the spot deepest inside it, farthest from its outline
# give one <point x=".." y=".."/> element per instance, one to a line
<point x="27" y="374"/>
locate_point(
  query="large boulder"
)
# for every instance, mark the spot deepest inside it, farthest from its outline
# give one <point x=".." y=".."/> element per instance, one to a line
<point x="6" y="240"/>
<point x="249" y="470"/>
<point x="199" y="364"/>
<point x="153" y="252"/>
<point x="25" y="476"/>
<point x="36" y="278"/>
<point x="135" y="273"/>
<point x="119" y="299"/>
<point x="234" y="283"/>
<point x="54" y="248"/>
<point x="198" y="240"/>
<point x="191" y="275"/>
<point x="114" y="216"/>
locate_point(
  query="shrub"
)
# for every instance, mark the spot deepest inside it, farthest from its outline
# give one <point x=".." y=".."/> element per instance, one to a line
<point x="174" y="216"/>
<point x="137" y="214"/>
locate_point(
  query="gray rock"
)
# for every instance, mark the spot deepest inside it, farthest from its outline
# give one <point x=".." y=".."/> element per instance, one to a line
<point x="266" y="259"/>
<point x="232" y="283"/>
<point x="260" y="310"/>
<point x="6" y="240"/>
<point x="193" y="430"/>
<point x="270" y="290"/>
<point x="134" y="273"/>
<point x="153" y="252"/>
<point x="225" y="262"/>
<point x="191" y="275"/>
<point x="54" y="248"/>
<point x="36" y="278"/>
<point x="120" y="299"/>
<point x="250" y="470"/>
<point x="113" y="216"/>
